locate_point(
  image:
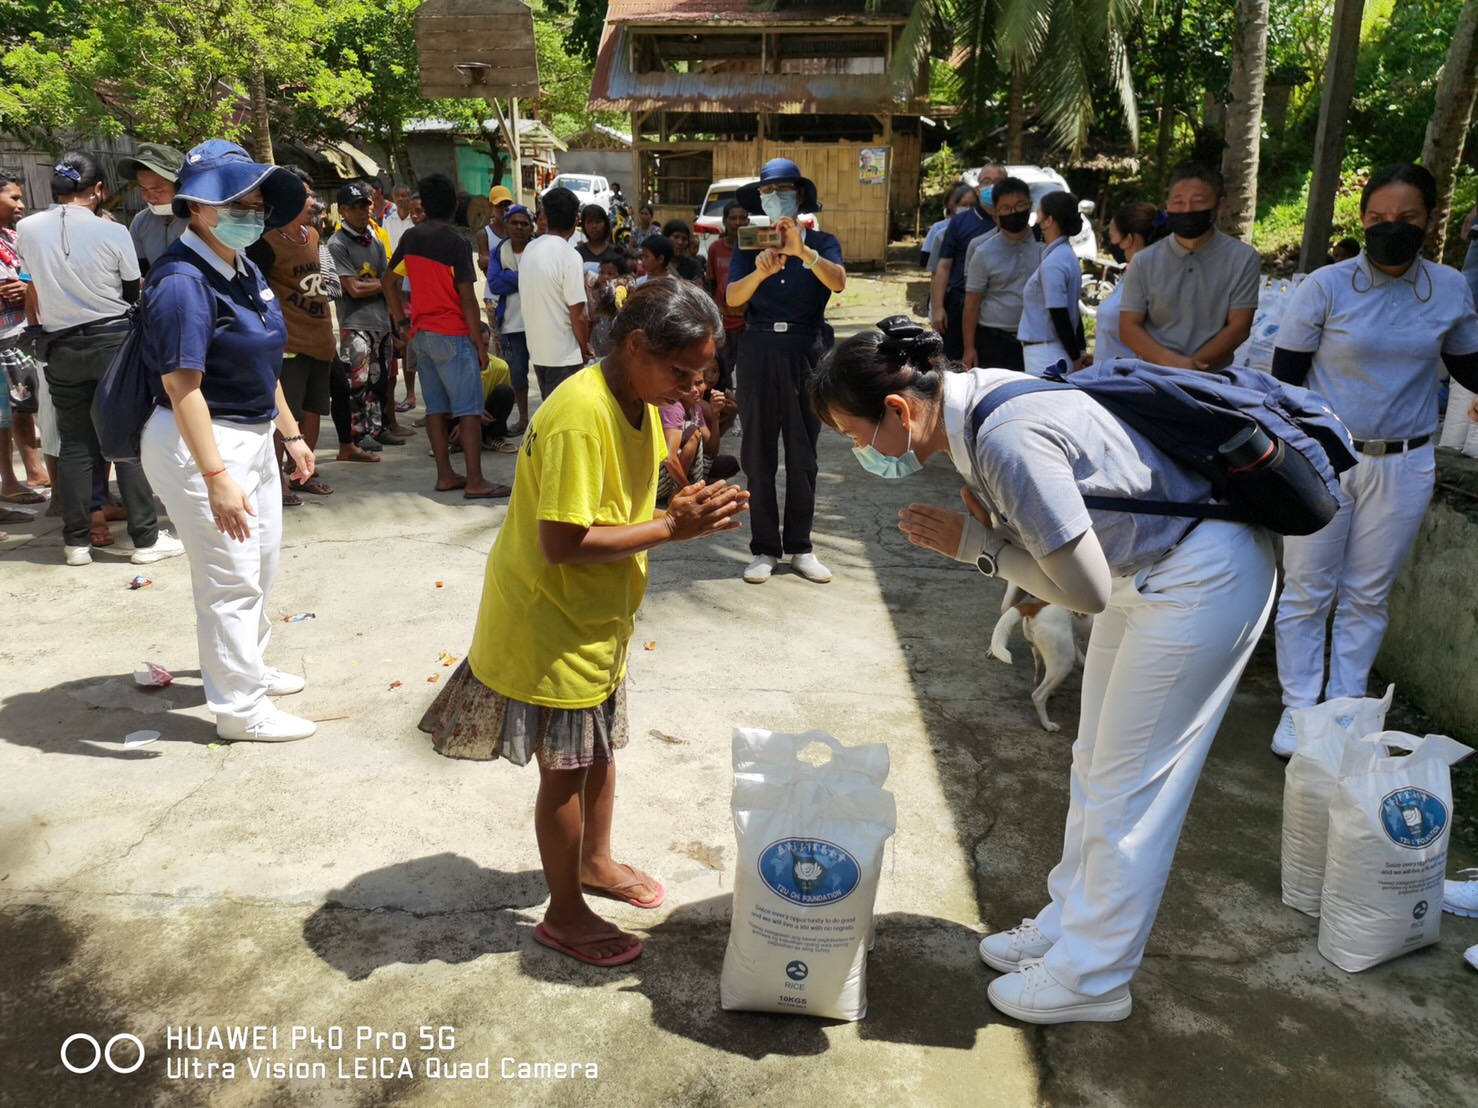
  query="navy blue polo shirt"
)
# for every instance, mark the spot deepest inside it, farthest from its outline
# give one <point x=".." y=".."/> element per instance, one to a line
<point x="964" y="228"/>
<point x="795" y="294"/>
<point x="227" y="324"/>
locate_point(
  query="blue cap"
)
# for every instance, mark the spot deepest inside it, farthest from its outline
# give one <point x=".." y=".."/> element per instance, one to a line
<point x="217" y="172"/>
<point x="775" y="171"/>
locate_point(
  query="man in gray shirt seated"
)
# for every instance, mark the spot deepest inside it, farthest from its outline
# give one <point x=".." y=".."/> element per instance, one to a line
<point x="1189" y="299"/>
<point x="996" y="270"/>
<point x="156" y="170"/>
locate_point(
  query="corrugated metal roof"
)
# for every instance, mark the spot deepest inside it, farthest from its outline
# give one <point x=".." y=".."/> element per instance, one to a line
<point x="739" y="11"/>
<point x="615" y="87"/>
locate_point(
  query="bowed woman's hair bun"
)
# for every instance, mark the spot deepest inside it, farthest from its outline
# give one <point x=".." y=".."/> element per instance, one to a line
<point x="906" y="343"/>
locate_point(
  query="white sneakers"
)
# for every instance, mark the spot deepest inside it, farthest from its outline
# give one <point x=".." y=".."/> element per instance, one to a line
<point x="165" y="546"/>
<point x="1006" y="950"/>
<point x="760" y="569"/>
<point x="807" y="565"/>
<point x="1461" y="897"/>
<point x="1033" y="996"/>
<point x="810" y="567"/>
<point x="1285" y="739"/>
<point x="1471" y="956"/>
<point x="78" y="555"/>
<point x="284" y="684"/>
<point x="275" y="727"/>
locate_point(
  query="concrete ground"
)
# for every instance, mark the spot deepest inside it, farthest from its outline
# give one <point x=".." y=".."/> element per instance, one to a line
<point x="359" y="880"/>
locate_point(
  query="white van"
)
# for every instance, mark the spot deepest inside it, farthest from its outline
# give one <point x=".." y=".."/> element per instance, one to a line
<point x="589" y="188"/>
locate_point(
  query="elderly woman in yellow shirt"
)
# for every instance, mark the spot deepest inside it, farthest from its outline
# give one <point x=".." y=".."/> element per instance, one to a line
<point x="569" y="569"/>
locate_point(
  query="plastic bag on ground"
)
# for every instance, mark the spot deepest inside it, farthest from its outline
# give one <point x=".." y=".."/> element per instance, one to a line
<point x="810" y="856"/>
<point x="1389" y="824"/>
<point x="1324" y="731"/>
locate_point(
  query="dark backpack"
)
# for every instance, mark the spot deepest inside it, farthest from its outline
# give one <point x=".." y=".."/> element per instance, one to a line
<point x="124" y="400"/>
<point x="1272" y="452"/>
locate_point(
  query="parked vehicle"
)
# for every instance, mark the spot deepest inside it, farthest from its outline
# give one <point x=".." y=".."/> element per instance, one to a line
<point x="590" y="188"/>
<point x="708" y="225"/>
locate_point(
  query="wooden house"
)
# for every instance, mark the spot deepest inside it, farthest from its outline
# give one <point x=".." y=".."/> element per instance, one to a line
<point x="716" y="88"/>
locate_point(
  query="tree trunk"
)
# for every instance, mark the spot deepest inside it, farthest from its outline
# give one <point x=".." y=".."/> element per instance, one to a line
<point x="261" y="122"/>
<point x="1167" y="96"/>
<point x="1451" y="116"/>
<point x="1016" y="115"/>
<point x="1329" y="141"/>
<point x="1244" y="117"/>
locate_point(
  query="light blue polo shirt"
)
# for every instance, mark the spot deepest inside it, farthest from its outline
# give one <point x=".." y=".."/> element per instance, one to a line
<point x="1378" y="341"/>
<point x="1057" y="283"/>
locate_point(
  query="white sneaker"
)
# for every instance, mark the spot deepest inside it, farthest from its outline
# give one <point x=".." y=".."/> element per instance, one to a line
<point x="78" y="555"/>
<point x="275" y="727"/>
<point x="1006" y="950"/>
<point x="284" y="684"/>
<point x="1461" y="897"/>
<point x="1285" y="739"/>
<point x="1033" y="996"/>
<point x="810" y="568"/>
<point x="760" y="569"/>
<point x="1471" y="956"/>
<point x="165" y="546"/>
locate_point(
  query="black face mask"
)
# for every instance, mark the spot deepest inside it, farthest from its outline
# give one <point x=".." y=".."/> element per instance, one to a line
<point x="1191" y="225"/>
<point x="1116" y="252"/>
<point x="1394" y="243"/>
<point x="1014" y="222"/>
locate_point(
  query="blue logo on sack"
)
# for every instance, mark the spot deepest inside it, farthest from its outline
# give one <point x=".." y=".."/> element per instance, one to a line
<point x="797" y="971"/>
<point x="808" y="872"/>
<point x="1413" y="818"/>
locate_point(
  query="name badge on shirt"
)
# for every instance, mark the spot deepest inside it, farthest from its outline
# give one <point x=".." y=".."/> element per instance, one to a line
<point x="266" y="294"/>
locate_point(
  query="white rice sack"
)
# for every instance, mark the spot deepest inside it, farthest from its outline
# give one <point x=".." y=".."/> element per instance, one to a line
<point x="1389" y="823"/>
<point x="1308" y="784"/>
<point x="810" y="856"/>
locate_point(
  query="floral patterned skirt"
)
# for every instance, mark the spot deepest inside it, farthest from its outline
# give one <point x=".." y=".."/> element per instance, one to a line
<point x="469" y="720"/>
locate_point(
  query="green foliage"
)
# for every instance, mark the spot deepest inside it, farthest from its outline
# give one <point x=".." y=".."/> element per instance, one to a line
<point x="581" y="25"/>
<point x="944" y="83"/>
<point x="564" y="80"/>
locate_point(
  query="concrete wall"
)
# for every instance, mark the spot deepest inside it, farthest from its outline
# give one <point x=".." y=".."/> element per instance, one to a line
<point x="1431" y="647"/>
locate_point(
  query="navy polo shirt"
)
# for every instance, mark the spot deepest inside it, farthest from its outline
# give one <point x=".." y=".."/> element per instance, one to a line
<point x="795" y="294"/>
<point x="964" y="228"/>
<point x="226" y="324"/>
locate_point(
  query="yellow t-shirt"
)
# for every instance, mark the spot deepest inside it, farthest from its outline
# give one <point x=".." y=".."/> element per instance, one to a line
<point x="495" y="373"/>
<point x="558" y="635"/>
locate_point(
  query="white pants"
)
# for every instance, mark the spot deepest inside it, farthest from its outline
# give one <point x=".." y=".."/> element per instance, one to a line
<point x="1356" y="557"/>
<point x="231" y="579"/>
<point x="51" y="439"/>
<point x="1041" y="356"/>
<point x="1162" y="663"/>
<point x="1459" y="429"/>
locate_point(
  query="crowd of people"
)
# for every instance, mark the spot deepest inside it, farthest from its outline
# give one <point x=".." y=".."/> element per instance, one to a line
<point x="260" y="316"/>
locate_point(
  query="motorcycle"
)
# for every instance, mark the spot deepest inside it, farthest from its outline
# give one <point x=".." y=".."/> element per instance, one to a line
<point x="1098" y="282"/>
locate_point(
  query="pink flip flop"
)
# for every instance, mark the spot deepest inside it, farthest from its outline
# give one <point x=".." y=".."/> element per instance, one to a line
<point x="543" y="937"/>
<point x="618" y="892"/>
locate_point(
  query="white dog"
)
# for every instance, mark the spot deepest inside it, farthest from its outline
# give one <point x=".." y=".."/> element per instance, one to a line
<point x="1052" y="632"/>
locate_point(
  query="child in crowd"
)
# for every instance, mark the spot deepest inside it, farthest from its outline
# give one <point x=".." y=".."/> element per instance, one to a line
<point x="693" y="428"/>
<point x="656" y="258"/>
<point x="607" y="297"/>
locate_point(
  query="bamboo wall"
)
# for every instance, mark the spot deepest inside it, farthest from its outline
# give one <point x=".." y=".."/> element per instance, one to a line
<point x="34" y="167"/>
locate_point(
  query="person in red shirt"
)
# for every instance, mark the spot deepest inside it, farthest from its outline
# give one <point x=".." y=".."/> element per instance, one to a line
<point x="446" y="334"/>
<point x="719" y="256"/>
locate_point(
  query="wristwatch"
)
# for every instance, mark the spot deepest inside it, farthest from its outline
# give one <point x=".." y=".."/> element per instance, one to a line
<point x="987" y="563"/>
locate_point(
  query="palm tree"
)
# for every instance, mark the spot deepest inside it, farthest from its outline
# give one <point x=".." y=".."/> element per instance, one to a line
<point x="1244" y="117"/>
<point x="1448" y="128"/>
<point x="1051" y="49"/>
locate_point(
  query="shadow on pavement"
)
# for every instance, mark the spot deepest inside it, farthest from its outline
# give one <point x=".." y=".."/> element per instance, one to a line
<point x="91" y="715"/>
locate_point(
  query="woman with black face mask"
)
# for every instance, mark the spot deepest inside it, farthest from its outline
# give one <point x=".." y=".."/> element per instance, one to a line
<point x="1132" y="228"/>
<point x="1051" y="327"/>
<point x="1371" y="335"/>
<point x="1188" y="301"/>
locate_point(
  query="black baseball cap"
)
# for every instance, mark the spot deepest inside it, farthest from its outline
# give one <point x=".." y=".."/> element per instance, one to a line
<point x="353" y="193"/>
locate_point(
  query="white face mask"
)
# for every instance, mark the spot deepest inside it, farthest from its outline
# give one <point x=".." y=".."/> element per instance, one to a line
<point x="162" y="209"/>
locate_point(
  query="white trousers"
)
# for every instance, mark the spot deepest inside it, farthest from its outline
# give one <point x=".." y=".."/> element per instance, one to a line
<point x="1162" y="663"/>
<point x="231" y="579"/>
<point x="1041" y="356"/>
<point x="1355" y="558"/>
<point x="1459" y="429"/>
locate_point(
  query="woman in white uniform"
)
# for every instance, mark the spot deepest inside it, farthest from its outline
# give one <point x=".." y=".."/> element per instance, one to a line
<point x="1181" y="606"/>
<point x="1051" y="327"/>
<point x="1132" y="228"/>
<point x="1371" y="335"/>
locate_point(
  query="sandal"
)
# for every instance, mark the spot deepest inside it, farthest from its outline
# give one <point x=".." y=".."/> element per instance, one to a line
<point x="291" y="499"/>
<point x="630" y="954"/>
<point x="405" y="405"/>
<point x="312" y="485"/>
<point x="10" y="515"/>
<point x="25" y="496"/>
<point x="619" y="892"/>
<point x="100" y="536"/>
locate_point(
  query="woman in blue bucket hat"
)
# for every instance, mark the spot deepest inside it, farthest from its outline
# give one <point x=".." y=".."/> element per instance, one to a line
<point x="785" y="289"/>
<point x="213" y="343"/>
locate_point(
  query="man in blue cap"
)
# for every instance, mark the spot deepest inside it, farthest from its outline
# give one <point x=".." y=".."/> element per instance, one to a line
<point x="786" y="289"/>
